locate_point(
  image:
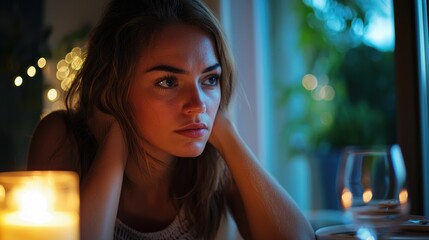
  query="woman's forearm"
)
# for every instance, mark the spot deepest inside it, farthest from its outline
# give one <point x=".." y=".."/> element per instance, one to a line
<point x="271" y="213"/>
<point x="101" y="189"/>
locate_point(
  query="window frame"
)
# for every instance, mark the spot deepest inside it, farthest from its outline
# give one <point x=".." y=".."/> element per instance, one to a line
<point x="423" y="54"/>
<point x="410" y="71"/>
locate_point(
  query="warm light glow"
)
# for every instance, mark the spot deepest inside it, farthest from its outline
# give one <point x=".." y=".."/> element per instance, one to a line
<point x="346" y="198"/>
<point x="69" y="66"/>
<point x="367" y="196"/>
<point x="2" y="193"/>
<point x="76" y="63"/>
<point x="69" y="57"/>
<point x="31" y="71"/>
<point x="66" y="83"/>
<point x="52" y="94"/>
<point x="403" y="196"/>
<point x="33" y="203"/>
<point x="57" y="105"/>
<point x="39" y="205"/>
<point x="18" y="81"/>
<point x="329" y="93"/>
<point x="62" y="65"/>
<point x="309" y="82"/>
<point x="41" y="62"/>
<point x="76" y="51"/>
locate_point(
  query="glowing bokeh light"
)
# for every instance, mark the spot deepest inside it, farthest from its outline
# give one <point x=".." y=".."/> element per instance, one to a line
<point x="346" y="198"/>
<point x="326" y="93"/>
<point x="69" y="57"/>
<point x="309" y="82"/>
<point x="329" y="93"/>
<point x="61" y="75"/>
<point x="62" y="65"/>
<point x="76" y="63"/>
<point x="52" y="94"/>
<point x="18" y="81"/>
<point x="403" y="196"/>
<point x="367" y="196"/>
<point x="69" y="66"/>
<point x="41" y="62"/>
<point x="66" y="83"/>
<point x="31" y="71"/>
<point x="77" y="51"/>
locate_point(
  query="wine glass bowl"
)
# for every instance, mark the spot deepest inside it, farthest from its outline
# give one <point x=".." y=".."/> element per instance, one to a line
<point x="372" y="187"/>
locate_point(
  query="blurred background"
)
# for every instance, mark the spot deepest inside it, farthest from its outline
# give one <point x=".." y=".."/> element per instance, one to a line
<point x="315" y="76"/>
<point x="35" y="35"/>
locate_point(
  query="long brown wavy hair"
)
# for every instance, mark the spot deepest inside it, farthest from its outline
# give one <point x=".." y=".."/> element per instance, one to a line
<point x="126" y="29"/>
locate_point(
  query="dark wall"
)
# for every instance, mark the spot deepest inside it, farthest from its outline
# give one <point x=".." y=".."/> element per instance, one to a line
<point x="22" y="42"/>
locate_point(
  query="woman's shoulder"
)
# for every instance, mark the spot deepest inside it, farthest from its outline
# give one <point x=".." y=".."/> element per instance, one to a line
<point x="52" y="126"/>
<point x="51" y="144"/>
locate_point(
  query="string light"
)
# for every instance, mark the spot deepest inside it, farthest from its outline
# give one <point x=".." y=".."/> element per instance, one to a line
<point x="31" y="71"/>
<point x="66" y="70"/>
<point x="52" y="94"/>
<point x="41" y="62"/>
<point x="68" y="67"/>
<point x="18" y="81"/>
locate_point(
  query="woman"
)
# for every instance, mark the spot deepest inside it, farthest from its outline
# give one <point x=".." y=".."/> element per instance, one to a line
<point x="145" y="128"/>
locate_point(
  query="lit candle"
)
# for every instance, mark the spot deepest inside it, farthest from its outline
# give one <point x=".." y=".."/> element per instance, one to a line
<point x="40" y="205"/>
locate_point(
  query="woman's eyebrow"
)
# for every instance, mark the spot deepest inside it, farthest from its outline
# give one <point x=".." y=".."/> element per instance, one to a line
<point x="211" y="68"/>
<point x="167" y="68"/>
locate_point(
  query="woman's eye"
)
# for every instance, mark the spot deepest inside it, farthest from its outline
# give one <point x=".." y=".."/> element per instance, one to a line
<point x="168" y="82"/>
<point x="212" y="80"/>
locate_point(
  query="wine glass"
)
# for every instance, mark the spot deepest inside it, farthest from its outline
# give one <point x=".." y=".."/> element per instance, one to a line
<point x="372" y="188"/>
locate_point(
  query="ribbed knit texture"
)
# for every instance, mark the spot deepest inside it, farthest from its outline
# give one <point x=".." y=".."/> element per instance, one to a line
<point x="178" y="229"/>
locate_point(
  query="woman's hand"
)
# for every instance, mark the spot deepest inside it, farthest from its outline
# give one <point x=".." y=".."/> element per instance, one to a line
<point x="222" y="126"/>
<point x="100" y="123"/>
<point x="261" y="208"/>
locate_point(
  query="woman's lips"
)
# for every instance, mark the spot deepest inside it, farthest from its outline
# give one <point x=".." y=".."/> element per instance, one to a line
<point x="197" y="130"/>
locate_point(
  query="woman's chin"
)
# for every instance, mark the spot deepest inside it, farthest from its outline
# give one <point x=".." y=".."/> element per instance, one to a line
<point x="194" y="151"/>
<point x="191" y="154"/>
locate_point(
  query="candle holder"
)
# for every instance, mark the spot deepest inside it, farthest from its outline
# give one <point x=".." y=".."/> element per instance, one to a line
<point x="39" y="205"/>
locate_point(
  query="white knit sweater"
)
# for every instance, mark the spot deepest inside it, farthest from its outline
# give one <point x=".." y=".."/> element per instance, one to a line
<point x="178" y="229"/>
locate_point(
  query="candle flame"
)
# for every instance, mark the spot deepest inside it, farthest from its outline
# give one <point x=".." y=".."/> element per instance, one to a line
<point x="34" y="204"/>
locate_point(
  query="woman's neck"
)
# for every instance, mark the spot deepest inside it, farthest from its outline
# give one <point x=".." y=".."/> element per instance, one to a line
<point x="150" y="173"/>
<point x="145" y="202"/>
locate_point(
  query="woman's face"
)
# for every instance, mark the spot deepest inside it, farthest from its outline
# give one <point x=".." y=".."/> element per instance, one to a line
<point x="175" y="93"/>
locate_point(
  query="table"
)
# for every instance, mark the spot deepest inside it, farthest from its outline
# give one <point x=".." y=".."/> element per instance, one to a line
<point x="412" y="228"/>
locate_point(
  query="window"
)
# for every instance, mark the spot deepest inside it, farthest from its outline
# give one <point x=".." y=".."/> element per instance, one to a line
<point x="370" y="91"/>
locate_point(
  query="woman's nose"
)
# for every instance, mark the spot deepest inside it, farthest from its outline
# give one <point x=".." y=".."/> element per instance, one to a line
<point x="194" y="103"/>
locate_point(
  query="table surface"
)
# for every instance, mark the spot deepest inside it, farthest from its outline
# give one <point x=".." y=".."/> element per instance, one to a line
<point x="413" y="228"/>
